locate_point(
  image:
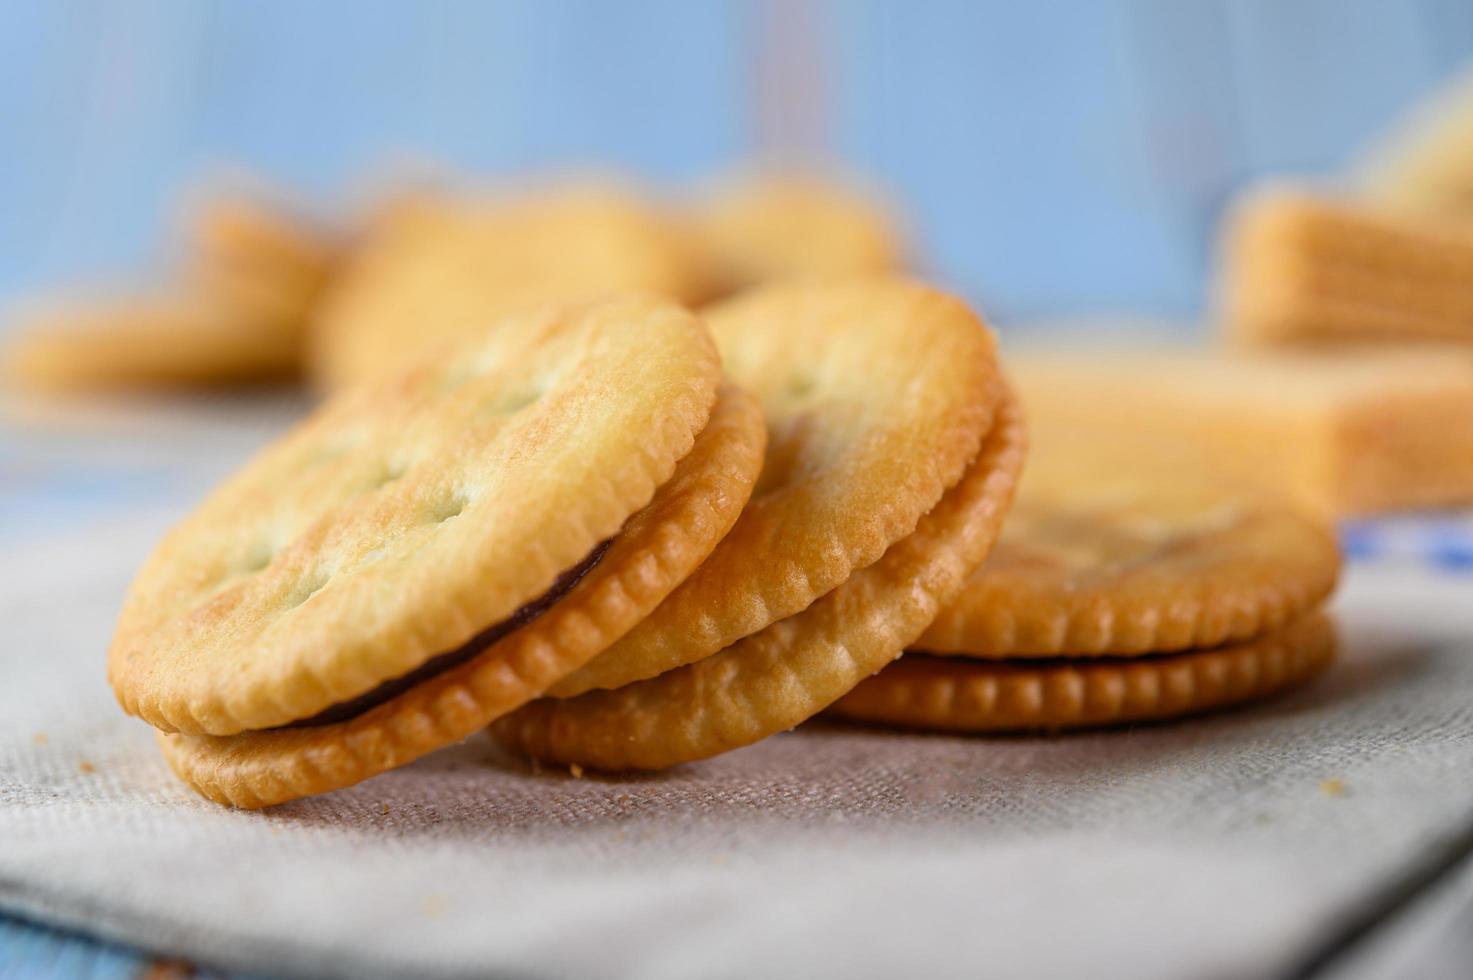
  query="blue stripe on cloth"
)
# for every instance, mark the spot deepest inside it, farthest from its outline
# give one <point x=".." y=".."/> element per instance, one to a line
<point x="1442" y="541"/>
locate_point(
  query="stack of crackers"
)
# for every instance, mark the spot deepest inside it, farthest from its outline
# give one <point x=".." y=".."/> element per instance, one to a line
<point x="625" y="536"/>
<point x="1124" y="588"/>
<point x="631" y="485"/>
<point x="629" y="536"/>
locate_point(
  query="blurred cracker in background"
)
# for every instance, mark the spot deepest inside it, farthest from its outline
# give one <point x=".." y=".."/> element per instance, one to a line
<point x="439" y="266"/>
<point x="233" y="310"/>
<point x="260" y="254"/>
<point x="779" y="224"/>
<point x="181" y="339"/>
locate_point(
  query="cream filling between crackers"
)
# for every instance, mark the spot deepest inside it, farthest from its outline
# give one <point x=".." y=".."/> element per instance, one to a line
<point x="472" y="648"/>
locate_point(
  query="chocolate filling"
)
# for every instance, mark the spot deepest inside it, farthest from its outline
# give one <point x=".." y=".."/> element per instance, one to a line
<point x="476" y="645"/>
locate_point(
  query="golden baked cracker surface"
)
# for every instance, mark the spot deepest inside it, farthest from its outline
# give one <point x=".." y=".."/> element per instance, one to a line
<point x="877" y="394"/>
<point x="791" y="670"/>
<point x="654" y="551"/>
<point x="1103" y="557"/>
<point x="407" y="515"/>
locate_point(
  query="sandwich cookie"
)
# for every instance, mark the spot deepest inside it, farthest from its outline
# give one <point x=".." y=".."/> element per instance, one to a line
<point x="428" y="551"/>
<point x="1121" y="590"/>
<point x="1095" y="562"/>
<point x="784" y="672"/>
<point x="877" y="394"/>
<point x="953" y="694"/>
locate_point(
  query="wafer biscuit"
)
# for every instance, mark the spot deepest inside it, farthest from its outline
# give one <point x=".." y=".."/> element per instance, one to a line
<point x="1424" y="164"/>
<point x="401" y="520"/>
<point x="953" y="694"/>
<point x="783" y="675"/>
<point x="655" y="549"/>
<point x="877" y="393"/>
<point x="1304" y="269"/>
<point x="1348" y="432"/>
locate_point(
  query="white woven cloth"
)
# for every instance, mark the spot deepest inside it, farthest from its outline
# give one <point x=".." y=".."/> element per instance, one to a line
<point x="1209" y="848"/>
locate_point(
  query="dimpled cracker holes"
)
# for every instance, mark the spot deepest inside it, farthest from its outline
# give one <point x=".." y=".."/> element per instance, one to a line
<point x="432" y="549"/>
<point x="892" y="453"/>
<point x="1119" y="591"/>
<point x="435" y="268"/>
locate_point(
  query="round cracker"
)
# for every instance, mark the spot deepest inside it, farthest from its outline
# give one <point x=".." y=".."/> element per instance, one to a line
<point x="656" y="549"/>
<point x="1103" y="559"/>
<point x="188" y="339"/>
<point x="406" y="516"/>
<point x="435" y="270"/>
<point x="260" y="256"/>
<point x="239" y="318"/>
<point x="248" y="233"/>
<point x="774" y="680"/>
<point x="960" y="695"/>
<point x="776" y="226"/>
<point x="877" y="394"/>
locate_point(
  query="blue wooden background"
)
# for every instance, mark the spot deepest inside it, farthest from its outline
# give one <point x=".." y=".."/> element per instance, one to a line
<point x="1059" y="157"/>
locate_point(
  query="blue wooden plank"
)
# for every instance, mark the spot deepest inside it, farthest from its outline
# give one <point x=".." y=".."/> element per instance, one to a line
<point x="31" y="951"/>
<point x="1058" y="158"/>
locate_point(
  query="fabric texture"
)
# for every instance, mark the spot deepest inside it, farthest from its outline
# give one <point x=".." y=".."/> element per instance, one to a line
<point x="1230" y="846"/>
<point x="1239" y="845"/>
